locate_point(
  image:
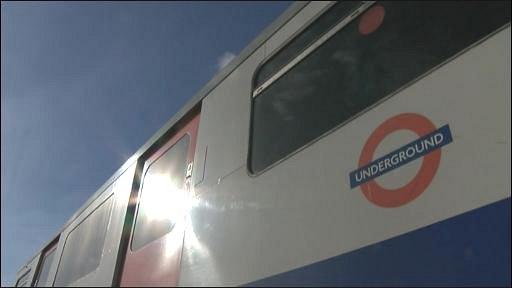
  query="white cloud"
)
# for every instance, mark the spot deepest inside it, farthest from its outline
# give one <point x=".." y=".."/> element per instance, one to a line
<point x="224" y="60"/>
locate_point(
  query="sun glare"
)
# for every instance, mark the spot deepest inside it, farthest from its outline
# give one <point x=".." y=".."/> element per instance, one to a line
<point x="163" y="199"/>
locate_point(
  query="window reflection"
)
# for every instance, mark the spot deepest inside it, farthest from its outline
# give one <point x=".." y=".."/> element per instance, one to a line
<point x="84" y="246"/>
<point x="162" y="198"/>
<point x="356" y="68"/>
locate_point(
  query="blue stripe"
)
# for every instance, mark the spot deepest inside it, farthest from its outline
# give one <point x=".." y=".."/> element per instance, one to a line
<point x="400" y="157"/>
<point x="470" y="249"/>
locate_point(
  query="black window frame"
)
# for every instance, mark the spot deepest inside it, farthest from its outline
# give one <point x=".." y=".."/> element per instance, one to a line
<point x="270" y="57"/>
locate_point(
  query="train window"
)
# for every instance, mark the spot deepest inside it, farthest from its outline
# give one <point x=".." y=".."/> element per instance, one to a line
<point x="384" y="48"/>
<point x="24" y="280"/>
<point x="160" y="195"/>
<point x="84" y="246"/>
<point x="310" y="34"/>
<point x="44" y="271"/>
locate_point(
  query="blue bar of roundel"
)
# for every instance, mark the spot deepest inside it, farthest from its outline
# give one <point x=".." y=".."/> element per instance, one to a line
<point x="447" y="138"/>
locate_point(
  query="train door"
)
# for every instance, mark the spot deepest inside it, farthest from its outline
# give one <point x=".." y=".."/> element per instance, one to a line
<point x="154" y="247"/>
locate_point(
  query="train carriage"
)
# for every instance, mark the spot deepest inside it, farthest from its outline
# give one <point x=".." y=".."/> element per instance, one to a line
<point x="350" y="143"/>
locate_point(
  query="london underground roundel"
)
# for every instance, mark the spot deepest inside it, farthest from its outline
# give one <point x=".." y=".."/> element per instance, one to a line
<point x="427" y="146"/>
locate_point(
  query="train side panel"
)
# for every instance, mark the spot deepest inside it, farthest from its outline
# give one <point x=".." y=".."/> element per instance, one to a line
<point x="303" y="210"/>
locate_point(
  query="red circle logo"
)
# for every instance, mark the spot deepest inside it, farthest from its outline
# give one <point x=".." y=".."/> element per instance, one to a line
<point x="397" y="197"/>
<point x="371" y="20"/>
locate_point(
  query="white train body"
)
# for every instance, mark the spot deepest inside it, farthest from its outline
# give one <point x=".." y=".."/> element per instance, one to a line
<point x="437" y="213"/>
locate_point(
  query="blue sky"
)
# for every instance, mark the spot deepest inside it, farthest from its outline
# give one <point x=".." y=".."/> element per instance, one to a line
<point x="84" y="85"/>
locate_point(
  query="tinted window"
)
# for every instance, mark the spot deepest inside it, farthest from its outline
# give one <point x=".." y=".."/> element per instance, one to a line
<point x="361" y="64"/>
<point x="159" y="205"/>
<point x="42" y="278"/>
<point x="84" y="246"/>
<point x="23" y="281"/>
<point x="321" y="25"/>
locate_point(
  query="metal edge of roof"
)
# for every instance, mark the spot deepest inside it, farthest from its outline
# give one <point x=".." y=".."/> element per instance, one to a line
<point x="272" y="28"/>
